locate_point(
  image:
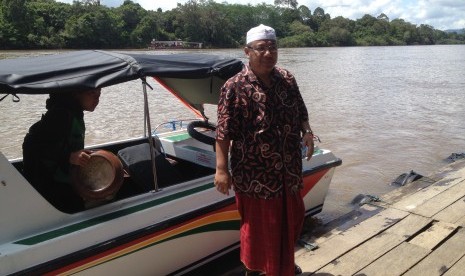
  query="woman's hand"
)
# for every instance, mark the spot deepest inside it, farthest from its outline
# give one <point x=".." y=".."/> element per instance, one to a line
<point x="80" y="157"/>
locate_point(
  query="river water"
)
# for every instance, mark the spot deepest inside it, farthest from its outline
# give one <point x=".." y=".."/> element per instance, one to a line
<point x="383" y="110"/>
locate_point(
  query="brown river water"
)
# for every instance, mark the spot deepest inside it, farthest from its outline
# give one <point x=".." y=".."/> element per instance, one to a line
<point x="383" y="110"/>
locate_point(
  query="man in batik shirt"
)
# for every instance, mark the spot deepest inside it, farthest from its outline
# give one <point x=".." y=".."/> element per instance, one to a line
<point x="262" y="121"/>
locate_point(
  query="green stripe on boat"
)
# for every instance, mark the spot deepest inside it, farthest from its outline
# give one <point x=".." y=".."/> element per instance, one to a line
<point x="177" y="137"/>
<point x="101" y="219"/>
<point x="198" y="149"/>
<point x="233" y="225"/>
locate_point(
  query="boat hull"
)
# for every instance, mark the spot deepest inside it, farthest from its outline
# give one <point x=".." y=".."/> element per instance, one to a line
<point x="176" y="244"/>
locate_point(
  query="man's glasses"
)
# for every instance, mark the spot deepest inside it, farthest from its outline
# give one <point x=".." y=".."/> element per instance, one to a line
<point x="262" y="49"/>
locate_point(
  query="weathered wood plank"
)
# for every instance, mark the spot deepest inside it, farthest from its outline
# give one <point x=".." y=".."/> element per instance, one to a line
<point x="375" y="247"/>
<point x="442" y="258"/>
<point x="457" y="269"/>
<point x="448" y="171"/>
<point x="396" y="261"/>
<point x="404" y="191"/>
<point x="430" y="238"/>
<point x="461" y="222"/>
<point x="442" y="200"/>
<point x="411" y="202"/>
<point x="409" y="226"/>
<point x="345" y="241"/>
<point x="453" y="213"/>
<point x="331" y="230"/>
<point x="362" y="255"/>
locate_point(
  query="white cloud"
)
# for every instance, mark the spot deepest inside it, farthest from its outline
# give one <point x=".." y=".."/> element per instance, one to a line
<point x="441" y="14"/>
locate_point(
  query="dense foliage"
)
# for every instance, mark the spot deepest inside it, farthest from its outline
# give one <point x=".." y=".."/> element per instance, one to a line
<point x="47" y="24"/>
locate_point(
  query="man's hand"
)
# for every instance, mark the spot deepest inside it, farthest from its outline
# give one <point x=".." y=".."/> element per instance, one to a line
<point x="308" y="142"/>
<point x="223" y="181"/>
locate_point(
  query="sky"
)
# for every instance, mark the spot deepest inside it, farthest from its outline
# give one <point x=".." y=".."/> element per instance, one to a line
<point x="441" y="14"/>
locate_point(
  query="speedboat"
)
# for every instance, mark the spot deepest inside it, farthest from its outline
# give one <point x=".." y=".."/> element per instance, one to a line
<point x="155" y="210"/>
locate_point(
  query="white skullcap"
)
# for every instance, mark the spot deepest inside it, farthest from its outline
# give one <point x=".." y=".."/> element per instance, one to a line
<point x="260" y="32"/>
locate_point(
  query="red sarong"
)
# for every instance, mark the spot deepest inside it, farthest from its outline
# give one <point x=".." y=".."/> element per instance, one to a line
<point x="269" y="230"/>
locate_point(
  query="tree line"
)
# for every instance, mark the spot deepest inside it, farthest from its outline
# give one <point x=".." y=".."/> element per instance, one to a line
<point x="47" y="24"/>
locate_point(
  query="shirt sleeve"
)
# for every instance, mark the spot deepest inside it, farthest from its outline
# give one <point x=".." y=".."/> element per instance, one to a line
<point x="227" y="123"/>
<point x="303" y="113"/>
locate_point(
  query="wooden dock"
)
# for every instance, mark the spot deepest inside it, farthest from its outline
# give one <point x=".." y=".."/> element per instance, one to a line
<point x="417" y="229"/>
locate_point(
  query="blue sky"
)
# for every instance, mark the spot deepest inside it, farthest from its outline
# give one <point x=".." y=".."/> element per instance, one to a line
<point x="441" y="14"/>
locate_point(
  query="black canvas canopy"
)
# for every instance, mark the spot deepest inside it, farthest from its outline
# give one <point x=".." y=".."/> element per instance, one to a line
<point x="82" y="70"/>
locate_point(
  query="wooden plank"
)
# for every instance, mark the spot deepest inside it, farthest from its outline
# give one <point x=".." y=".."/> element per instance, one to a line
<point x="345" y="241"/>
<point x="436" y="178"/>
<point x="404" y="191"/>
<point x="442" y="200"/>
<point x="457" y="269"/>
<point x="362" y="255"/>
<point x="412" y="201"/>
<point x="375" y="247"/>
<point x="442" y="258"/>
<point x="434" y="235"/>
<point x="453" y="213"/>
<point x="409" y="226"/>
<point x="461" y="222"/>
<point x="396" y="261"/>
<point x="322" y="233"/>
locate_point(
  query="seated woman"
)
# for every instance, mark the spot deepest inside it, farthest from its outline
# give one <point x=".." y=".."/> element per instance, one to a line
<point x="56" y="143"/>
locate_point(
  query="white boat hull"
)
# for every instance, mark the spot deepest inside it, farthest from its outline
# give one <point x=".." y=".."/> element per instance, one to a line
<point x="173" y="230"/>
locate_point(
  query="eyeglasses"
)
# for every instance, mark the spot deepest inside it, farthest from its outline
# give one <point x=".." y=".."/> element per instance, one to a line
<point x="262" y="49"/>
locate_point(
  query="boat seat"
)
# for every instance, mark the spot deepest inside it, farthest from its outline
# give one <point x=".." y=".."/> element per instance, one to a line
<point x="137" y="162"/>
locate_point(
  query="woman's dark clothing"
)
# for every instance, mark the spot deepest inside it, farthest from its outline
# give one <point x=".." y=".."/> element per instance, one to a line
<point x="46" y="151"/>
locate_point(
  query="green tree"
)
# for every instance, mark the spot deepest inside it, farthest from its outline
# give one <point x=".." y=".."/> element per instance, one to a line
<point x="26" y="24"/>
<point x="146" y="30"/>
<point x="131" y="15"/>
<point x="215" y="25"/>
<point x="97" y="28"/>
<point x="14" y="13"/>
<point x="318" y="18"/>
<point x="287" y="3"/>
<point x="339" y="31"/>
<point x="426" y="35"/>
<point x="187" y="21"/>
<point x="297" y="27"/>
<point x="404" y="32"/>
<point x="48" y="20"/>
<point x="383" y="16"/>
<point x="242" y="18"/>
<point x="305" y="13"/>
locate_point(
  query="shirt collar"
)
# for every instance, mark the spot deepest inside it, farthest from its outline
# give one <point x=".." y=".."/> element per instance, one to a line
<point x="275" y="76"/>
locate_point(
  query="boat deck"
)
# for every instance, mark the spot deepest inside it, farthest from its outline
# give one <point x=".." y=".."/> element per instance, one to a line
<point x="417" y="229"/>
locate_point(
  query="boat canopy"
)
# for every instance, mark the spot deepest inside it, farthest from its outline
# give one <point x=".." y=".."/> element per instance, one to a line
<point x="83" y="70"/>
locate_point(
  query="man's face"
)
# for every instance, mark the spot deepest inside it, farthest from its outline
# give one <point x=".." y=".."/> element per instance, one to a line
<point x="263" y="55"/>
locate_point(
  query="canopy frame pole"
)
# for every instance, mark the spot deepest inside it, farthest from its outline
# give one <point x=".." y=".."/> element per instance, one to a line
<point x="148" y="133"/>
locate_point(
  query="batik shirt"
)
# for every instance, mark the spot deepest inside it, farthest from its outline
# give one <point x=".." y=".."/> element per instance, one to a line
<point x="264" y="125"/>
